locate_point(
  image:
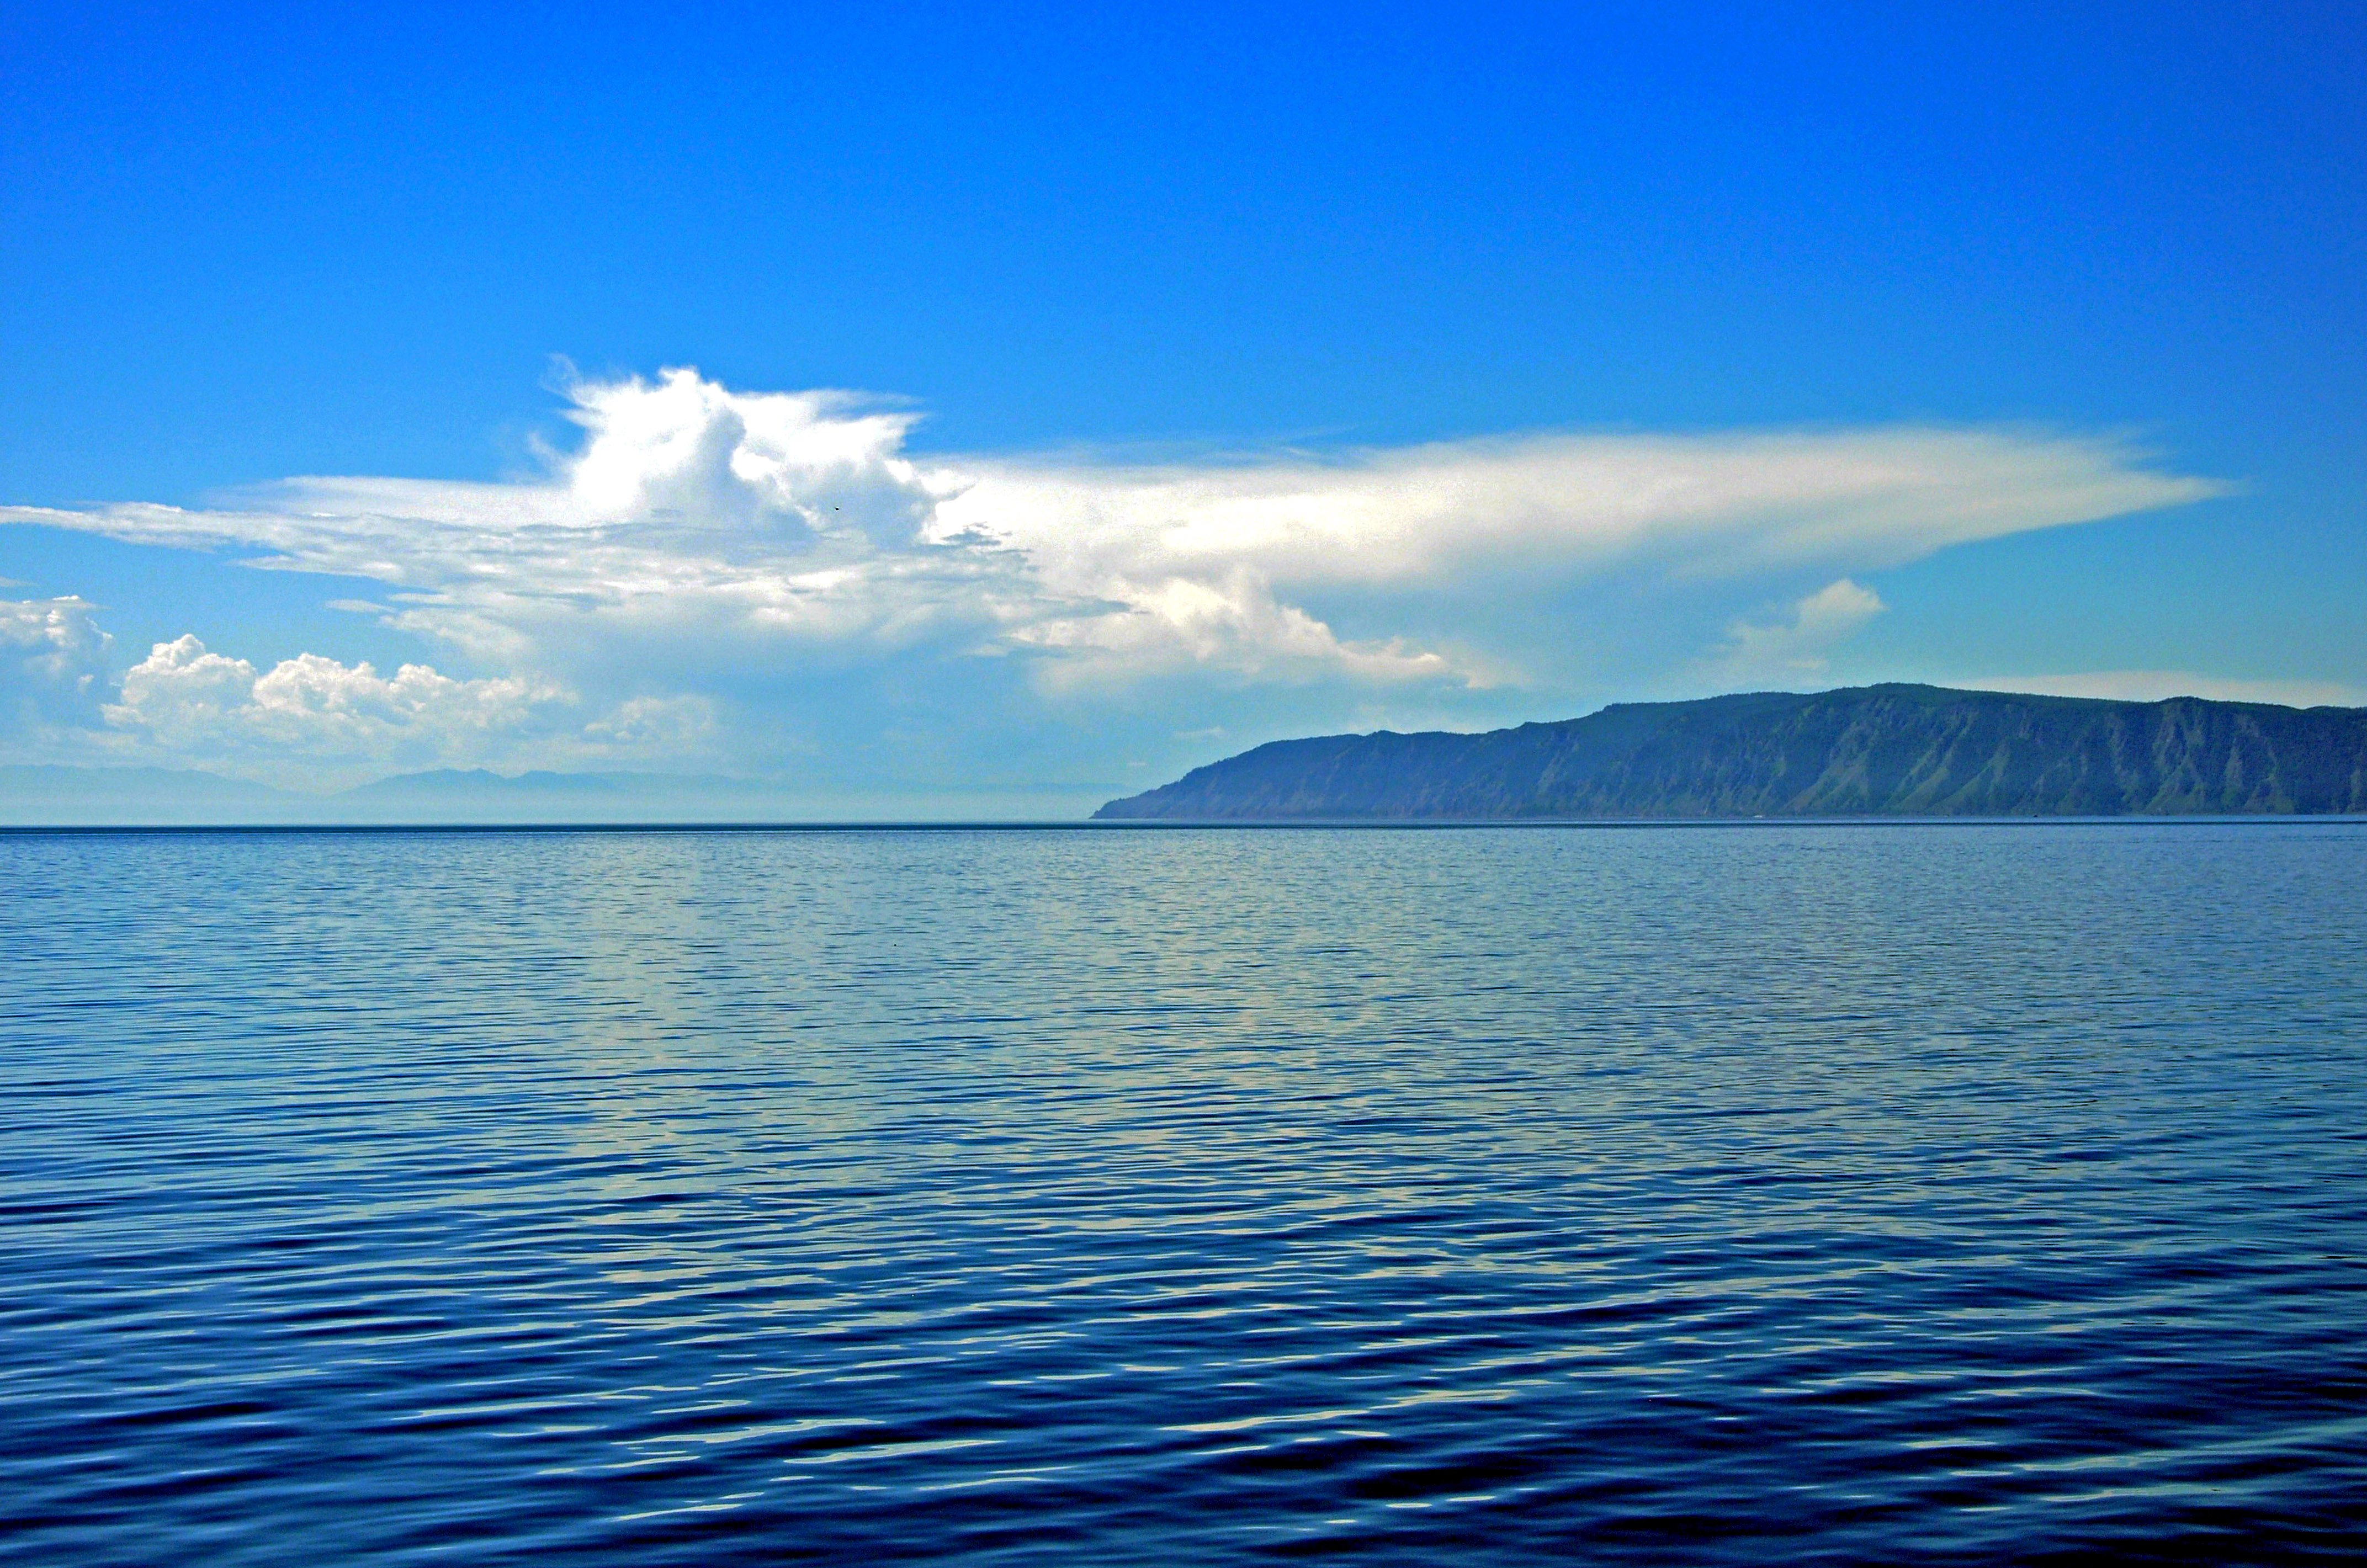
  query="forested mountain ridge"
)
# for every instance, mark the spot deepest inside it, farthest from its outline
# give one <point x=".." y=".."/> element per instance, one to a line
<point x="1874" y="751"/>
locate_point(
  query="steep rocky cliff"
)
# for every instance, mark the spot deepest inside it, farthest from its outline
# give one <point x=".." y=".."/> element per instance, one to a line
<point x="1874" y="750"/>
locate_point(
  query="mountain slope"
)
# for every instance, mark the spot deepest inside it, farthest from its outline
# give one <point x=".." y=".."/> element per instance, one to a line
<point x="1874" y="750"/>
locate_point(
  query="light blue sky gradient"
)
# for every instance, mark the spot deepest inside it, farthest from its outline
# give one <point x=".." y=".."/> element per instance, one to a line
<point x="247" y="242"/>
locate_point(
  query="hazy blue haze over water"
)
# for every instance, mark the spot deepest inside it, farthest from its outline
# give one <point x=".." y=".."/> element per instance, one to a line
<point x="1788" y="1194"/>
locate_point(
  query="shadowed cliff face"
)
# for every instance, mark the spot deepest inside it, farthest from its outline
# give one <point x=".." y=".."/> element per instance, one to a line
<point x="1876" y="750"/>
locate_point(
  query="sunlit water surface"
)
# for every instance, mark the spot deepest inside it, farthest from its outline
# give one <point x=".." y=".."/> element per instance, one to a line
<point x="1786" y="1194"/>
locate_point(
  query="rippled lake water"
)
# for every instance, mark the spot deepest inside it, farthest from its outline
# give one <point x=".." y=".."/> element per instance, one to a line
<point x="1777" y="1194"/>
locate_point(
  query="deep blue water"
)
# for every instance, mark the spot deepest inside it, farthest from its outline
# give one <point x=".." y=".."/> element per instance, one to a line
<point x="1787" y="1194"/>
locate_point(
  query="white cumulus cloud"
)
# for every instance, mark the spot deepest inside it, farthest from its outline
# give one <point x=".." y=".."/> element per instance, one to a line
<point x="209" y="706"/>
<point x="702" y="545"/>
<point x="52" y="664"/>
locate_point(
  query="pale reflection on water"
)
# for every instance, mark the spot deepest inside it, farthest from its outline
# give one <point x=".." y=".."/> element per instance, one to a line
<point x="1811" y="1193"/>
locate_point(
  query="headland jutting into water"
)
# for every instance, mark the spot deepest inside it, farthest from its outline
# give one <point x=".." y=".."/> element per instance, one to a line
<point x="1892" y="749"/>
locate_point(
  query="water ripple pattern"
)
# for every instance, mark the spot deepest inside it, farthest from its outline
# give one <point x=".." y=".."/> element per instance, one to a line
<point x="1800" y="1193"/>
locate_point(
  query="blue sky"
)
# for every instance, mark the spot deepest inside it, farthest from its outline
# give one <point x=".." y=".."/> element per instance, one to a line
<point x="1231" y="375"/>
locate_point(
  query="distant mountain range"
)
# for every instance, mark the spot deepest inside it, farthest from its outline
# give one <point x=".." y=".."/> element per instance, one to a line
<point x="48" y="796"/>
<point x="39" y="796"/>
<point x="1874" y="750"/>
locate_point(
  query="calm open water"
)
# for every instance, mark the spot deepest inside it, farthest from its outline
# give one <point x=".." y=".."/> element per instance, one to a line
<point x="1786" y="1194"/>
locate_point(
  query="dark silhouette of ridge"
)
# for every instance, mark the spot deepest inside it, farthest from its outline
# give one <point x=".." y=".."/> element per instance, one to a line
<point x="1864" y="751"/>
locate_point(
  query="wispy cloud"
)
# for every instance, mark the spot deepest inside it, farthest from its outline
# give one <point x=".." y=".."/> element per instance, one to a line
<point x="1796" y="643"/>
<point x="703" y="546"/>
